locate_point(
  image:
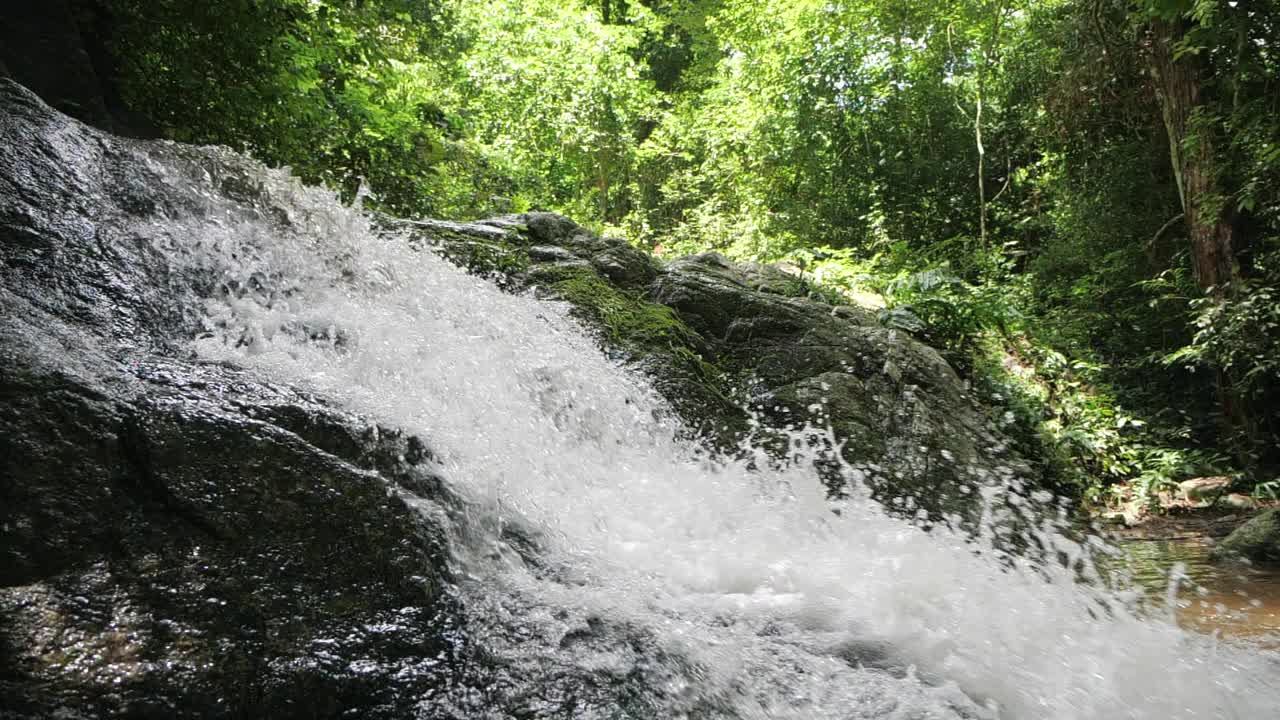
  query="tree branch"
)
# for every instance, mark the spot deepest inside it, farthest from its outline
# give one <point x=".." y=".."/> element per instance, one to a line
<point x="1164" y="229"/>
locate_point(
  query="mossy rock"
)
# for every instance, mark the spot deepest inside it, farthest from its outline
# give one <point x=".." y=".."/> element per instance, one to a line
<point x="628" y="319"/>
<point x="606" y="281"/>
<point x="1256" y="540"/>
<point x="718" y="337"/>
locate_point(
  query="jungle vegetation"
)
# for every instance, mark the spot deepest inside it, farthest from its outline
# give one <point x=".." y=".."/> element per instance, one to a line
<point x="1078" y="201"/>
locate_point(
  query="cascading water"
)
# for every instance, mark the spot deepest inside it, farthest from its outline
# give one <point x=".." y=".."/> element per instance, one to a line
<point x="596" y="544"/>
<point x="730" y="588"/>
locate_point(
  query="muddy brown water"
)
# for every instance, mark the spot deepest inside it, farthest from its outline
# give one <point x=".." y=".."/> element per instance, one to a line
<point x="1235" y="601"/>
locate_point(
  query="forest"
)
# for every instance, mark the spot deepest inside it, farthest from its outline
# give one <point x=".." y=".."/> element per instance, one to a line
<point x="1076" y="201"/>
<point x="632" y="359"/>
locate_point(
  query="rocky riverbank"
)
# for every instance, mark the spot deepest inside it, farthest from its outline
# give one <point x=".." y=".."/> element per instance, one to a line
<point x="184" y="539"/>
<point x="738" y="348"/>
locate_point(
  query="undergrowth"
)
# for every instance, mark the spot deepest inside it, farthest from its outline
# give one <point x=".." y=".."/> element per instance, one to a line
<point x="1059" y="408"/>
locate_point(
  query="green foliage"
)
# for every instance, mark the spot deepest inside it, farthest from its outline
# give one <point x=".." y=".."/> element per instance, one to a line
<point x="342" y="91"/>
<point x="944" y="309"/>
<point x="1269" y="490"/>
<point x="1240" y="337"/>
<point x="1059" y="410"/>
<point x="983" y="173"/>
<point x="560" y="94"/>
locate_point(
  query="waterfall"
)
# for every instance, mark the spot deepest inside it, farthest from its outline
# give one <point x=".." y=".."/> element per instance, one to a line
<point x="605" y="564"/>
<point x="597" y="538"/>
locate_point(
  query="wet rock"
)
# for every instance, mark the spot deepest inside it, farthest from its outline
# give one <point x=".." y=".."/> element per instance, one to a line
<point x="169" y="552"/>
<point x="612" y="258"/>
<point x="895" y="401"/>
<point x="1239" y="501"/>
<point x="1204" y="488"/>
<point x="550" y="253"/>
<point x="178" y="539"/>
<point x="1257" y="540"/>
<point x="717" y="336"/>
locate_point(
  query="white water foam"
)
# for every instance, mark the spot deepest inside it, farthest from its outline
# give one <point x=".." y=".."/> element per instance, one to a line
<point x="764" y="602"/>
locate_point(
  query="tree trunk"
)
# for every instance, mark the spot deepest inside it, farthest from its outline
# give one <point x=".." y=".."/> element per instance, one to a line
<point x="991" y="48"/>
<point x="1204" y="205"/>
<point x="1178" y="85"/>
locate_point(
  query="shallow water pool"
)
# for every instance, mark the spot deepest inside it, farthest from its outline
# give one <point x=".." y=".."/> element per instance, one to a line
<point x="1239" y="601"/>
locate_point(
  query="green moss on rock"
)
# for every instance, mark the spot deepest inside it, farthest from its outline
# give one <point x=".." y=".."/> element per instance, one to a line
<point x="486" y="258"/>
<point x="654" y="336"/>
<point x="1258" y="539"/>
<point x="626" y="318"/>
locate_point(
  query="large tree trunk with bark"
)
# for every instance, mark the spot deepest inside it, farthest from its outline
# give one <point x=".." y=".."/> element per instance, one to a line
<point x="1178" y="83"/>
<point x="1204" y="204"/>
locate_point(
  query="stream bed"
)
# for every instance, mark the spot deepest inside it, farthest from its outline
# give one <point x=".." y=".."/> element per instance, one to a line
<point x="1234" y="601"/>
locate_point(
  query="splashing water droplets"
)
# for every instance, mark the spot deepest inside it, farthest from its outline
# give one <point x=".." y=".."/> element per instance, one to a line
<point x="603" y="540"/>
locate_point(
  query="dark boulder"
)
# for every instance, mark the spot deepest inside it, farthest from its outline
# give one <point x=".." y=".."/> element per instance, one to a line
<point x="188" y="546"/>
<point x="1256" y="540"/>
<point x="180" y="540"/>
<point x="909" y="424"/>
<point x="721" y="338"/>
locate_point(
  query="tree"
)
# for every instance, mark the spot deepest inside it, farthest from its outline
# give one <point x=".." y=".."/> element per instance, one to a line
<point x="343" y="91"/>
<point x="1178" y="72"/>
<point x="1029" y="153"/>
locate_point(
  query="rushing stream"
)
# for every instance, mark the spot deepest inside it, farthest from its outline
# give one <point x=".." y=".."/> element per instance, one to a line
<point x="596" y="545"/>
<point x="727" y="588"/>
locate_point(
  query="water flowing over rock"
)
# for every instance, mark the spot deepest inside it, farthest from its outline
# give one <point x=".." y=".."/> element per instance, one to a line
<point x="907" y="423"/>
<point x="263" y="459"/>
<point x="180" y="539"/>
